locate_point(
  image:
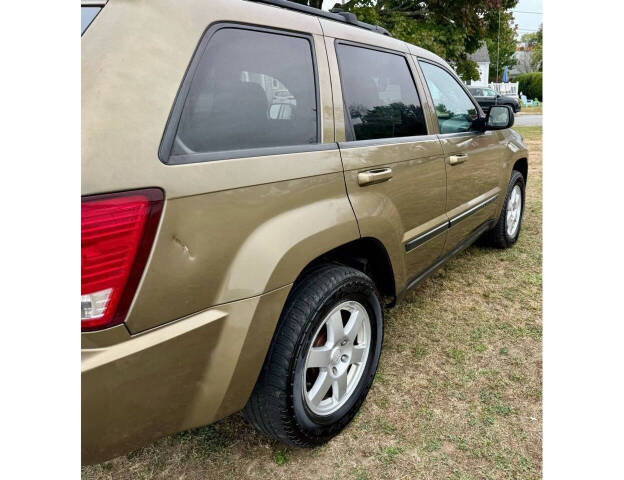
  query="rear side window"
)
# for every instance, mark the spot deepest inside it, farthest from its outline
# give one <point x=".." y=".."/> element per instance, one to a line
<point x="379" y="94"/>
<point x="251" y="89"/>
<point x="454" y="109"/>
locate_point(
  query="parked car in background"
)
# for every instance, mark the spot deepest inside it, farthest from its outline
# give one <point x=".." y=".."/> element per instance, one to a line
<point x="237" y="254"/>
<point x="488" y="97"/>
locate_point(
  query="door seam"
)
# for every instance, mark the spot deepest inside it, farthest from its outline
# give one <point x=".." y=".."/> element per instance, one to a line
<point x="331" y="89"/>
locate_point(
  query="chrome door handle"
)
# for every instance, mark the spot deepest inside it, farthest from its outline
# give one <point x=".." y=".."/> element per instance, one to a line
<point x="457" y="159"/>
<point x="376" y="175"/>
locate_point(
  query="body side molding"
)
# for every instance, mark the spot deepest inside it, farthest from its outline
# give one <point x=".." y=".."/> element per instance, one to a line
<point x="429" y="234"/>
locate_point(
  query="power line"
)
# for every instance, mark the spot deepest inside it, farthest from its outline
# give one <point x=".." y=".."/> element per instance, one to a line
<point x="521" y="11"/>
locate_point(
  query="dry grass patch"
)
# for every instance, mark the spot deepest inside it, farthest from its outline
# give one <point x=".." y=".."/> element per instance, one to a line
<point x="457" y="395"/>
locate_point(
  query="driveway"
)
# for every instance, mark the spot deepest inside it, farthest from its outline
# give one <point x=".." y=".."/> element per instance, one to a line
<point x="529" y="120"/>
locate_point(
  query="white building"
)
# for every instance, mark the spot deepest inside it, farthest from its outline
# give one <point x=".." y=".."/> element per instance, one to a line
<point x="482" y="58"/>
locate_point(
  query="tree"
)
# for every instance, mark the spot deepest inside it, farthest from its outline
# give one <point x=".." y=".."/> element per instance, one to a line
<point x="452" y="29"/>
<point x="536" y="53"/>
<point x="310" y="3"/>
<point x="501" y="45"/>
<point x="532" y="60"/>
<point x="529" y="39"/>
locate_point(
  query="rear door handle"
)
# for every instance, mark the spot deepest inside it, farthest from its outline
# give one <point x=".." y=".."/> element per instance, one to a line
<point x="376" y="175"/>
<point x="457" y="159"/>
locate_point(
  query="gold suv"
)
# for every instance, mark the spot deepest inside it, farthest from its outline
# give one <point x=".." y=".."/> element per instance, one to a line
<point x="259" y="179"/>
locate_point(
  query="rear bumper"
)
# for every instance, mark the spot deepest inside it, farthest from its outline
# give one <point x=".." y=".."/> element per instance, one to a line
<point x="188" y="373"/>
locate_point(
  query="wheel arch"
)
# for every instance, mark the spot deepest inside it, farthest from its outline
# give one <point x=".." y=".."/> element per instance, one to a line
<point x="522" y="166"/>
<point x="366" y="254"/>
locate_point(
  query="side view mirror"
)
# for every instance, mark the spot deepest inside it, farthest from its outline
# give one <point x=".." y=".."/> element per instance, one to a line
<point x="499" y="117"/>
<point x="479" y="124"/>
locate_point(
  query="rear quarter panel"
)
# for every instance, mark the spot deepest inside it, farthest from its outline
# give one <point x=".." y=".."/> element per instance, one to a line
<point x="230" y="229"/>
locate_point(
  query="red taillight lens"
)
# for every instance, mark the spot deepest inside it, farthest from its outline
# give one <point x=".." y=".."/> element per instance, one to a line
<point x="117" y="234"/>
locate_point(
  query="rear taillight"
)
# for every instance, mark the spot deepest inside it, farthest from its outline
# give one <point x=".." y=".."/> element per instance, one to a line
<point x="118" y="230"/>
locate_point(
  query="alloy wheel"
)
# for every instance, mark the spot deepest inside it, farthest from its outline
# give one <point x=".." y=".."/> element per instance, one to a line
<point x="514" y="211"/>
<point x="336" y="358"/>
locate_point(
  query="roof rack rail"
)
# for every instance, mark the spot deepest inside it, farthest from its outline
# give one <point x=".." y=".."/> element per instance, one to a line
<point x="335" y="14"/>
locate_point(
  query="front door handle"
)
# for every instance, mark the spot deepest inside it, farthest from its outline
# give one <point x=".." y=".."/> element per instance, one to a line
<point x="376" y="175"/>
<point x="457" y="159"/>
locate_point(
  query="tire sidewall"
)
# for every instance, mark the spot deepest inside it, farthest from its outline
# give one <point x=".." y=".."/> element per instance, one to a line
<point x="319" y="428"/>
<point x="516" y="179"/>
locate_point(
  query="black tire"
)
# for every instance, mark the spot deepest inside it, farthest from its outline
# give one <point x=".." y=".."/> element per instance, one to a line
<point x="276" y="406"/>
<point x="498" y="237"/>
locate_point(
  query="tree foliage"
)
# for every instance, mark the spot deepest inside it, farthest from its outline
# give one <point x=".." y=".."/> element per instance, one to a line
<point x="533" y="43"/>
<point x="536" y="53"/>
<point x="529" y="38"/>
<point x="310" y="3"/>
<point x="501" y="47"/>
<point x="530" y="84"/>
<point x="452" y="29"/>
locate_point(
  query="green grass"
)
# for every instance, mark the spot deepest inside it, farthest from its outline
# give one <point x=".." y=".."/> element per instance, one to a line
<point x="281" y="457"/>
<point x="457" y="395"/>
<point x="532" y="110"/>
<point x="529" y="133"/>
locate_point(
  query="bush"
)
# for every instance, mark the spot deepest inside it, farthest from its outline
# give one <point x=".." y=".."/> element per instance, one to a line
<point x="530" y="84"/>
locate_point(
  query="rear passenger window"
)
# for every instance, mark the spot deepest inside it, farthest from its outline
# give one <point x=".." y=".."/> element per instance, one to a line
<point x="379" y="93"/>
<point x="251" y="89"/>
<point x="454" y="109"/>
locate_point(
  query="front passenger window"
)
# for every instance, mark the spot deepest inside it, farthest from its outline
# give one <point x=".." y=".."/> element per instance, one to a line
<point x="454" y="109"/>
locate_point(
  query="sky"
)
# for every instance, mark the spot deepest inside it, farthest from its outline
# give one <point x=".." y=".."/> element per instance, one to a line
<point x="527" y="22"/>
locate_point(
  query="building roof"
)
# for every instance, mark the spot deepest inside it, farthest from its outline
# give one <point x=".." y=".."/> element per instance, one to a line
<point x="480" y="55"/>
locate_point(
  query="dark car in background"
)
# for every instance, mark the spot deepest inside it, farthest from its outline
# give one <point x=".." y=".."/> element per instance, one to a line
<point x="486" y="97"/>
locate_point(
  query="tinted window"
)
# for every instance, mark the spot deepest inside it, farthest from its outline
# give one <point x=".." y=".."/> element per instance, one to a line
<point x="379" y="94"/>
<point x="251" y="89"/>
<point x="454" y="109"/>
<point x="477" y="92"/>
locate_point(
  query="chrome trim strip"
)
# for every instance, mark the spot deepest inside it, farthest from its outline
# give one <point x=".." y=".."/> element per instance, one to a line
<point x="458" y="218"/>
<point x="473" y="236"/>
<point x="422" y="238"/>
<point x="386" y="141"/>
